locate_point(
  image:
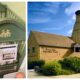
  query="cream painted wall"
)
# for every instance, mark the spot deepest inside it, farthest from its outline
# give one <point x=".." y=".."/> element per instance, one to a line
<point x="17" y="7"/>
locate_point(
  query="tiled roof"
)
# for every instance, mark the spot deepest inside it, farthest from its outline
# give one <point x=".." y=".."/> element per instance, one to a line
<point x="52" y="39"/>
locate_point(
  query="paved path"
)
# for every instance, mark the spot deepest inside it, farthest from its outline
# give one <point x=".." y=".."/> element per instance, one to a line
<point x="33" y="74"/>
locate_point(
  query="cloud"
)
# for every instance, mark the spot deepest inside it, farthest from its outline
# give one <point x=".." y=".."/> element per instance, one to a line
<point x="70" y="32"/>
<point x="51" y="28"/>
<point x="38" y="20"/>
<point x="52" y="7"/>
<point x="73" y="17"/>
<point x="49" y="7"/>
<point x="57" y="27"/>
<point x="40" y="12"/>
<point x="73" y="8"/>
<point x="70" y="11"/>
<point x="69" y="21"/>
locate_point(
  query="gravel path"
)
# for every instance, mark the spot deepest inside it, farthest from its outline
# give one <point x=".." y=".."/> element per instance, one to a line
<point x="33" y="74"/>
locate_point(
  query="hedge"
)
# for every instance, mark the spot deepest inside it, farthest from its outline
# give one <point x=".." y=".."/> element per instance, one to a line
<point x="72" y="63"/>
<point x="32" y="64"/>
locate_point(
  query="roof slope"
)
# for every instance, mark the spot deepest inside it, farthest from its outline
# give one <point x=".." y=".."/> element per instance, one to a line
<point x="52" y="39"/>
<point x="75" y="54"/>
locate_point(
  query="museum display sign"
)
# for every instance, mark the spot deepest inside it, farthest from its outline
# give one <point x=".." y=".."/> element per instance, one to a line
<point x="8" y="54"/>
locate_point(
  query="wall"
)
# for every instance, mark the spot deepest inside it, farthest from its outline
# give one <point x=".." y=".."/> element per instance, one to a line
<point x="52" y="53"/>
<point x="76" y="30"/>
<point x="32" y="43"/>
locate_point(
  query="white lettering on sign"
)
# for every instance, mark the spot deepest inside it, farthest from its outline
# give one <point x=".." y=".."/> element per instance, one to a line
<point x="5" y="33"/>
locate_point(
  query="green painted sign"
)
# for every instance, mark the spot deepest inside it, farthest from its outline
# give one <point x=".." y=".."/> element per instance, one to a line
<point x="12" y="31"/>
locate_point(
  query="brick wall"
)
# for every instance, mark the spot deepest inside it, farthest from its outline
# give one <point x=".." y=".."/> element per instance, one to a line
<point x="32" y="43"/>
<point x="52" y="53"/>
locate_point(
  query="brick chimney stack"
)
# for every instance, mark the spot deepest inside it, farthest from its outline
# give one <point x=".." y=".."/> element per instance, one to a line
<point x="76" y="29"/>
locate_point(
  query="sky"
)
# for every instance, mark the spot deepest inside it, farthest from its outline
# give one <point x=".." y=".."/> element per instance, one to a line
<point x="52" y="17"/>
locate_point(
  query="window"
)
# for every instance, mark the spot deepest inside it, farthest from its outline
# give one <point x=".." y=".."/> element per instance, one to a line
<point x="33" y="49"/>
<point x="77" y="49"/>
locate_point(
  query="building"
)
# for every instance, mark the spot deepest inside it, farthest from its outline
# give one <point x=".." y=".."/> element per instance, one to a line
<point x="44" y="46"/>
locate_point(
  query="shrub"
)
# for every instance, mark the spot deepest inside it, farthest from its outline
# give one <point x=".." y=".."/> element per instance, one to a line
<point x="39" y="63"/>
<point x="55" y="68"/>
<point x="51" y="68"/>
<point x="72" y="63"/>
<point x="66" y="72"/>
<point x="32" y="64"/>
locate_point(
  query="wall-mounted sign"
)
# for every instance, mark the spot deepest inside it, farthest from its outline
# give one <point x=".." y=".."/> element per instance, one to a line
<point x="5" y="33"/>
<point x="49" y="50"/>
<point x="8" y="54"/>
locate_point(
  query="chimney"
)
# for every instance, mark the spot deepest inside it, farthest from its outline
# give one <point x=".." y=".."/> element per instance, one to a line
<point x="76" y="29"/>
